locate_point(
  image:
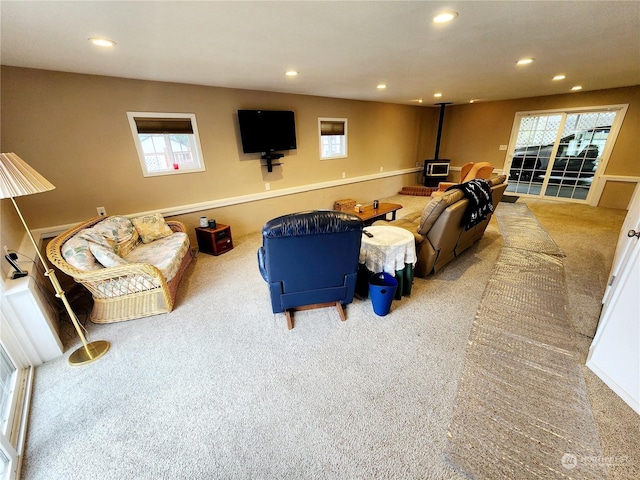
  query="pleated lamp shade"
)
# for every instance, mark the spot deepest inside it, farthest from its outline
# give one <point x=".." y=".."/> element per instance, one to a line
<point x="17" y="178"/>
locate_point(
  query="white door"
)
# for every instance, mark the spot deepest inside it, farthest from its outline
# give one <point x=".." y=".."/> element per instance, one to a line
<point x="624" y="244"/>
<point x="615" y="351"/>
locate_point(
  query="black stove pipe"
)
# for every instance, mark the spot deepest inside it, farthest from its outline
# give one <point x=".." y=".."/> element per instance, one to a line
<point x="440" y="122"/>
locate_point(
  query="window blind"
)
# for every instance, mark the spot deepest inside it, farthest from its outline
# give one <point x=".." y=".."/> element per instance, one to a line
<point x="331" y="127"/>
<point x="163" y="125"/>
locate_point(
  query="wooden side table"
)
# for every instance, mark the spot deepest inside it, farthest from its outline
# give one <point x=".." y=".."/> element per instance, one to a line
<point x="214" y="241"/>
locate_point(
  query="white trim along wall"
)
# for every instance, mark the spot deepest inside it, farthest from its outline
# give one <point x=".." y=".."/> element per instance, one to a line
<point x="52" y="231"/>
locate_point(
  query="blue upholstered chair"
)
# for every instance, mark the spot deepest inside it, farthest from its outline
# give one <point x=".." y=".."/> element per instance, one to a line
<point x="310" y="259"/>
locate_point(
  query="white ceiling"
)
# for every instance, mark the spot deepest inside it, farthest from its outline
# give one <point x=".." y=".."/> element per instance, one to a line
<point x="341" y="49"/>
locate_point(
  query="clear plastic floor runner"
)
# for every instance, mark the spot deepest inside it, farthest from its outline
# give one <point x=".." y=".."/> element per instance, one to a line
<point x="522" y="409"/>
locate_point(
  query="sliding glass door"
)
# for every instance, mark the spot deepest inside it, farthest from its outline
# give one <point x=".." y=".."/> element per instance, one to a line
<point x="8" y="403"/>
<point x="16" y="376"/>
<point x="559" y="154"/>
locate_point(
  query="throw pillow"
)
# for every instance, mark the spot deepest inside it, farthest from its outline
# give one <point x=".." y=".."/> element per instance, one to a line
<point x="497" y="180"/>
<point x="93" y="236"/>
<point x="120" y="233"/>
<point x="435" y="207"/>
<point x="105" y="256"/>
<point x="151" y="227"/>
<point x="76" y="252"/>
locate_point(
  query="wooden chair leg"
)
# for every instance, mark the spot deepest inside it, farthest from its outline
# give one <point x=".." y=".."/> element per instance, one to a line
<point x="289" y="312"/>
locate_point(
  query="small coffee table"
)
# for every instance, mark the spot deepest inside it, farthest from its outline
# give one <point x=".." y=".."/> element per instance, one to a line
<point x="370" y="214"/>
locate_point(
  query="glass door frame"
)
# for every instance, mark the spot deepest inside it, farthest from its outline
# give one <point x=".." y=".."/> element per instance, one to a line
<point x="595" y="191"/>
<point x="13" y="424"/>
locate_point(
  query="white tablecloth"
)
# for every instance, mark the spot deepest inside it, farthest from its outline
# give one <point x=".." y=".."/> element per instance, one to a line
<point x="388" y="250"/>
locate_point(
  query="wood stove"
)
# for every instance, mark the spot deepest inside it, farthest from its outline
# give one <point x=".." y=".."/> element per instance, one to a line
<point x="436" y="169"/>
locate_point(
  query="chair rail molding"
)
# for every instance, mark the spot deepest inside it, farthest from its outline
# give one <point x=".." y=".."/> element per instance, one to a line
<point x="47" y="232"/>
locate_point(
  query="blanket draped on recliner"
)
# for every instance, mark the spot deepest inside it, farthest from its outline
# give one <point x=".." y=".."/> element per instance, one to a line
<point x="480" y="206"/>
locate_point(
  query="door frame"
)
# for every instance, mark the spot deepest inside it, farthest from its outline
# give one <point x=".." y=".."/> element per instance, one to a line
<point x="597" y="187"/>
<point x="13" y="433"/>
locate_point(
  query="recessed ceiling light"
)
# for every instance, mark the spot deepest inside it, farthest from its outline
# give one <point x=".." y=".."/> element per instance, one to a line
<point x="524" y="61"/>
<point x="473" y="100"/>
<point x="102" y="42"/>
<point x="291" y="73"/>
<point x="559" y="77"/>
<point x="576" y="88"/>
<point x="437" y="95"/>
<point x="444" y="17"/>
<point x="382" y="86"/>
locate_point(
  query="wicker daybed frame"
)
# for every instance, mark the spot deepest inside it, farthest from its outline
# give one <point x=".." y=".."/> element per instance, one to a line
<point x="111" y="286"/>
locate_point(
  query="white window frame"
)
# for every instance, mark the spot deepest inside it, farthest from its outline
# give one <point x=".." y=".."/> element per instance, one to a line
<point x="595" y="192"/>
<point x="342" y="138"/>
<point x="194" y="140"/>
<point x="13" y="423"/>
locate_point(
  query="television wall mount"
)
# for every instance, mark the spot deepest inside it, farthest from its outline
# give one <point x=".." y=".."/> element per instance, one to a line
<point x="270" y="157"/>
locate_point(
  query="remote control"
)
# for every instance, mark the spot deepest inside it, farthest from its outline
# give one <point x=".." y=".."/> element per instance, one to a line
<point x="367" y="233"/>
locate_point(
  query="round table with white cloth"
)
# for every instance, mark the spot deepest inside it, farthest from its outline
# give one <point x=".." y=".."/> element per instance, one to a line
<point x="391" y="250"/>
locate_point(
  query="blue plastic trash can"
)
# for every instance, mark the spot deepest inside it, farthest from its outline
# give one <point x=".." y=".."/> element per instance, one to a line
<point x="382" y="289"/>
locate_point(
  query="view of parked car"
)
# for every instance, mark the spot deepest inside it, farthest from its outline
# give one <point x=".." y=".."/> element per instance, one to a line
<point x="577" y="157"/>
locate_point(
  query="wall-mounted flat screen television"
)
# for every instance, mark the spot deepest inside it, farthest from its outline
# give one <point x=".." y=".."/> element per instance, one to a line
<point x="267" y="131"/>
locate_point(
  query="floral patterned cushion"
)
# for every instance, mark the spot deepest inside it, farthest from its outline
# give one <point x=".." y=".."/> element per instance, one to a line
<point x="106" y="256"/>
<point x="151" y="227"/>
<point x="77" y="253"/>
<point x="166" y="253"/>
<point x="93" y="236"/>
<point x="119" y="232"/>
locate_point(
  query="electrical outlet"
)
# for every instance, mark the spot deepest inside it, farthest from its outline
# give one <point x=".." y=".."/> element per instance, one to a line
<point x="267" y="186"/>
<point x="6" y="250"/>
<point x="344" y="174"/>
<point x="502" y="147"/>
<point x="381" y="169"/>
<point x="102" y="211"/>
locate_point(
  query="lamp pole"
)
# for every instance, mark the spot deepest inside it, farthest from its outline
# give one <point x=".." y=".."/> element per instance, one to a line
<point x="89" y="351"/>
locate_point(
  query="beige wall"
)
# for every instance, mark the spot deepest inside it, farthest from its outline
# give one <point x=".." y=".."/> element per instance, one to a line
<point x="74" y="130"/>
<point x="249" y="217"/>
<point x="11" y="231"/>
<point x="617" y="194"/>
<point x="473" y="133"/>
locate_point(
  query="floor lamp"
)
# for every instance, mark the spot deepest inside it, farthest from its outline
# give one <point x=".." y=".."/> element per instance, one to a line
<point x="17" y="179"/>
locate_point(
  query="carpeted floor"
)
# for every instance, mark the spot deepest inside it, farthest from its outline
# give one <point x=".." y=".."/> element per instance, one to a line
<point x="219" y="388"/>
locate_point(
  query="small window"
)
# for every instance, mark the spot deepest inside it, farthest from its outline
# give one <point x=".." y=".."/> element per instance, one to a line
<point x="167" y="143"/>
<point x="333" y="137"/>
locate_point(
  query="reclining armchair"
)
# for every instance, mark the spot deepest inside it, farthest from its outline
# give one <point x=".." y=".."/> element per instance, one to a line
<point x="310" y="260"/>
<point x="469" y="171"/>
